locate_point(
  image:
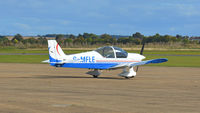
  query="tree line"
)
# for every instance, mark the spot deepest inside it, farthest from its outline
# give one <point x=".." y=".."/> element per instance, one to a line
<point x="88" y="39"/>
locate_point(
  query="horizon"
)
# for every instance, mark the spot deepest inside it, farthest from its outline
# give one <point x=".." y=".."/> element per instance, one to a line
<point x="95" y="34"/>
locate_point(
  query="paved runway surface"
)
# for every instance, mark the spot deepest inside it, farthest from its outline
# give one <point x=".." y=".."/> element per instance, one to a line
<point x="39" y="88"/>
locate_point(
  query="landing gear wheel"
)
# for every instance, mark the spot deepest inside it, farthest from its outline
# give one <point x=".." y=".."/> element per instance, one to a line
<point x="95" y="76"/>
<point x="127" y="77"/>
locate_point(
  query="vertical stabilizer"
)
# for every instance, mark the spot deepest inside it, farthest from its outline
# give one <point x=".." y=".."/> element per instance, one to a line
<point x="56" y="55"/>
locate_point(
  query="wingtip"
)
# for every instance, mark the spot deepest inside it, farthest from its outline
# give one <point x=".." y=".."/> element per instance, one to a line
<point x="160" y="60"/>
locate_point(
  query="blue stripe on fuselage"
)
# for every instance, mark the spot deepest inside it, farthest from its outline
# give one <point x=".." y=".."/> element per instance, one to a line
<point x="88" y="65"/>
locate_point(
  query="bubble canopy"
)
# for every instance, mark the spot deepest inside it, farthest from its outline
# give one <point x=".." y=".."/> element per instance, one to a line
<point x="112" y="52"/>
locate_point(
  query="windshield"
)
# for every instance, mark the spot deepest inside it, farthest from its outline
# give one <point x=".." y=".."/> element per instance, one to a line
<point x="120" y="53"/>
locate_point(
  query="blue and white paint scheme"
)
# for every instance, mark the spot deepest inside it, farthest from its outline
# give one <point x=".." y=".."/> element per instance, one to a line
<point x="108" y="57"/>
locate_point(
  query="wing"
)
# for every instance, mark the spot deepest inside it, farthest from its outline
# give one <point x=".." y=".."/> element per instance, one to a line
<point x="154" y="61"/>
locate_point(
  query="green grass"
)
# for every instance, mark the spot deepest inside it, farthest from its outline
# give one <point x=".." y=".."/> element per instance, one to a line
<point x="22" y="58"/>
<point x="171" y="52"/>
<point x="13" y="50"/>
<point x="177" y="61"/>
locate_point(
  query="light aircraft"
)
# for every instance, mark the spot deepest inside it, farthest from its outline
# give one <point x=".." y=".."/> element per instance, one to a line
<point x="103" y="58"/>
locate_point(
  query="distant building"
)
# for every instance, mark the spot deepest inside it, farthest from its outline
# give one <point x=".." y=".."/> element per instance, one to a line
<point x="195" y="39"/>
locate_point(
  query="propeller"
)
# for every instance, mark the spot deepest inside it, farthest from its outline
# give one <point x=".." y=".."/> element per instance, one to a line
<point x="141" y="51"/>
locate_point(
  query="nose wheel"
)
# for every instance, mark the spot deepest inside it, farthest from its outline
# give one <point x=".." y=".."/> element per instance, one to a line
<point x="128" y="73"/>
<point x="129" y="77"/>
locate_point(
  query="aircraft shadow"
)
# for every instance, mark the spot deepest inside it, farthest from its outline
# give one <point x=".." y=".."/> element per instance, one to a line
<point x="83" y="77"/>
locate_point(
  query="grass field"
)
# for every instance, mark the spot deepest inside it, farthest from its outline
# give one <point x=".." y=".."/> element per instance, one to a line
<point x="177" y="61"/>
<point x="13" y="50"/>
<point x="22" y="58"/>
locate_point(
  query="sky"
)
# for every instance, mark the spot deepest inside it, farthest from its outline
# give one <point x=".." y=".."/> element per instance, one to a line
<point x="115" y="17"/>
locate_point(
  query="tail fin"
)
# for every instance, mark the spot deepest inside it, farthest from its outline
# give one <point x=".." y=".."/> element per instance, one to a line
<point x="56" y="55"/>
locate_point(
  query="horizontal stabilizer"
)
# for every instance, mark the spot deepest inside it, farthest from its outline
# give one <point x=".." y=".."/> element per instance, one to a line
<point x="48" y="61"/>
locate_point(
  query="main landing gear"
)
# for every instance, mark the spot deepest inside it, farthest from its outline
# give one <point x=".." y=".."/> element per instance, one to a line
<point x="127" y="73"/>
<point x="95" y="76"/>
<point x="95" y="73"/>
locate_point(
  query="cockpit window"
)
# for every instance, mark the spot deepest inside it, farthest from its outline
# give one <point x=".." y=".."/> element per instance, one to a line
<point x="106" y="52"/>
<point x="120" y="53"/>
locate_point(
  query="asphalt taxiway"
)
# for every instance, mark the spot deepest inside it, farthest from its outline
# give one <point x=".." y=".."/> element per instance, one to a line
<point x="40" y="88"/>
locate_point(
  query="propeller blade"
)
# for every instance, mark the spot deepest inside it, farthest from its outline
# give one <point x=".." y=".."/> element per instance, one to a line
<point x="137" y="68"/>
<point x="141" y="52"/>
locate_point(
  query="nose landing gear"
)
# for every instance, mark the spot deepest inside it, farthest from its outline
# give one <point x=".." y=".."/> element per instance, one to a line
<point x="128" y="74"/>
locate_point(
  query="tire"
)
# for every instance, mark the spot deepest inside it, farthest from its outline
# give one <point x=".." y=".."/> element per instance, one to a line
<point x="127" y="77"/>
<point x="95" y="76"/>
